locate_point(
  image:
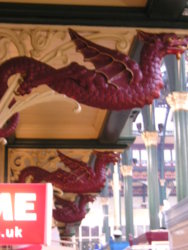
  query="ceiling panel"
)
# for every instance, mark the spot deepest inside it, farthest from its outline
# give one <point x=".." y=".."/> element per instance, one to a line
<point x="58" y="120"/>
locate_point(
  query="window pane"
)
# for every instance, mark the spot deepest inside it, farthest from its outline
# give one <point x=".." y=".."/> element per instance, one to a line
<point x="135" y="157"/>
<point x="140" y="230"/>
<point x="173" y="155"/>
<point x="167" y="155"/>
<point x="95" y="231"/>
<point x="85" y="231"/>
<point x="143" y="157"/>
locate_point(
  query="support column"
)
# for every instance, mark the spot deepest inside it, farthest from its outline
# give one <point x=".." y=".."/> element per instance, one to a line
<point x="105" y="207"/>
<point x="178" y="101"/>
<point x="151" y="139"/>
<point x="117" y="223"/>
<point x="106" y="228"/>
<point x="126" y="170"/>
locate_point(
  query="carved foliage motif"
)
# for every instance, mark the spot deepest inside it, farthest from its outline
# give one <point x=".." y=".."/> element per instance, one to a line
<point x="50" y="45"/>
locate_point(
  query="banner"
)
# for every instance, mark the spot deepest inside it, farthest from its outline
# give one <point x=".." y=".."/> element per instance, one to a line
<point x="25" y="213"/>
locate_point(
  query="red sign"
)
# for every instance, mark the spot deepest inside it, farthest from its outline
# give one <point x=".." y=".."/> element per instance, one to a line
<point x="25" y="214"/>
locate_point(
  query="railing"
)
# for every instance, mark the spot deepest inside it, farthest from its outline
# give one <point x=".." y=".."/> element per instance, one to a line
<point x="150" y="247"/>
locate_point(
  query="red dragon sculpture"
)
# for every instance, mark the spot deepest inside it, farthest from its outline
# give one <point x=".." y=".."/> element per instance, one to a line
<point x="115" y="83"/>
<point x="81" y="179"/>
<point x="71" y="212"/>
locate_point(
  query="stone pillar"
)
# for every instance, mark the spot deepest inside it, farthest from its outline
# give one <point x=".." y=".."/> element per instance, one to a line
<point x="105" y="207"/>
<point x="126" y="171"/>
<point x="178" y="101"/>
<point x="117" y="223"/>
<point x="106" y="228"/>
<point x="151" y="140"/>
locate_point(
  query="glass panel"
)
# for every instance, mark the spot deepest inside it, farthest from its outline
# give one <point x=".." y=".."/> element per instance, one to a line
<point x="140" y="230"/>
<point x="173" y="155"/>
<point x="143" y="157"/>
<point x="135" y="157"/>
<point x="95" y="231"/>
<point x="167" y="156"/>
<point x="85" y="231"/>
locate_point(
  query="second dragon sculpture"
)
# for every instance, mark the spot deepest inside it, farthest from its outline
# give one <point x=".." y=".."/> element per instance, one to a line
<point x="81" y="178"/>
<point x="77" y="179"/>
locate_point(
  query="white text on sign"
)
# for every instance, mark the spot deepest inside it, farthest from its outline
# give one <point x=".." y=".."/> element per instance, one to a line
<point x="23" y="209"/>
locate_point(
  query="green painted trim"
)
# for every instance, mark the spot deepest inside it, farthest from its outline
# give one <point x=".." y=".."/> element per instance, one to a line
<point x="89" y="15"/>
<point x="165" y="9"/>
<point x="122" y="143"/>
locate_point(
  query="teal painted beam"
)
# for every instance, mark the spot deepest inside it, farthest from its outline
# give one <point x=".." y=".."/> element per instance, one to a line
<point x="122" y="143"/>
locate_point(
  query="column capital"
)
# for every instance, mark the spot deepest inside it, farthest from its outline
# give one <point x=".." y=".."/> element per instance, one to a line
<point x="126" y="170"/>
<point x="162" y="182"/>
<point x="150" y="138"/>
<point x="104" y="200"/>
<point x="178" y="100"/>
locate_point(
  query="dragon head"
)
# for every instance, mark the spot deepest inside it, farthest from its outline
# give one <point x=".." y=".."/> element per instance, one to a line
<point x="107" y="156"/>
<point x="166" y="43"/>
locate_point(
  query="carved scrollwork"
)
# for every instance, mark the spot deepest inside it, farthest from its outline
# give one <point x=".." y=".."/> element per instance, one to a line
<point x="46" y="44"/>
<point x="4" y="43"/>
<point x="121" y="40"/>
<point x="18" y="160"/>
<point x="11" y="44"/>
<point x="41" y="39"/>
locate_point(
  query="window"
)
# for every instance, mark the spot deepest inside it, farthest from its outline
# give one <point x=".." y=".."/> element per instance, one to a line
<point x="85" y="231"/>
<point x="143" y="157"/>
<point x="173" y="156"/>
<point x="167" y="156"/>
<point x="95" y="231"/>
<point x="135" y="157"/>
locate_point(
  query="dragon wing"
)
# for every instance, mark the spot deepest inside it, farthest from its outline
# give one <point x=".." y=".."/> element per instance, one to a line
<point x="118" y="68"/>
<point x="76" y="166"/>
